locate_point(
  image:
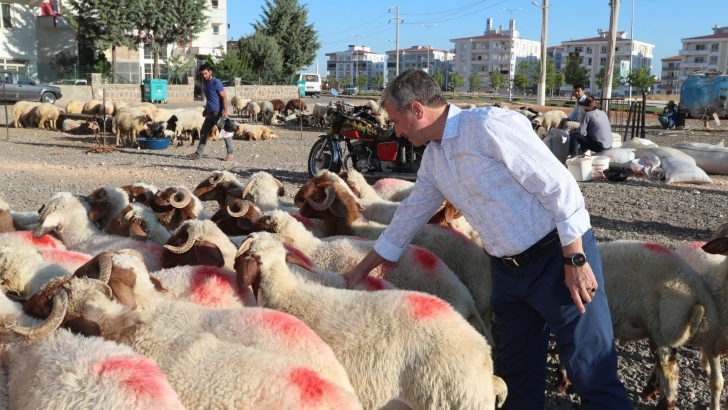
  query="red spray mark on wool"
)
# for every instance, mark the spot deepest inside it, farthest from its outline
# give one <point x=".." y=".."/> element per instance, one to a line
<point x="61" y="256"/>
<point x="656" y="247"/>
<point x="426" y="259"/>
<point x="311" y="386"/>
<point x="424" y="306"/>
<point x="209" y="286"/>
<point x="303" y="220"/>
<point x="139" y="375"/>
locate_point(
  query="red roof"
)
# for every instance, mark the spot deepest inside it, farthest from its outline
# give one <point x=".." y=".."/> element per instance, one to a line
<point x="488" y="37"/>
<point x="722" y="35"/>
<point x="593" y="40"/>
<point x="673" y="58"/>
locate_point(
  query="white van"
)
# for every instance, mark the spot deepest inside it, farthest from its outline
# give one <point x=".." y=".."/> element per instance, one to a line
<point x="313" y="83"/>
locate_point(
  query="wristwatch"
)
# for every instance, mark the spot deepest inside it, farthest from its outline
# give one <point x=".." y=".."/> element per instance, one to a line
<point x="578" y="259"/>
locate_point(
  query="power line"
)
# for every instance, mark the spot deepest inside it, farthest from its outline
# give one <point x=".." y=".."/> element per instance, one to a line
<point x="440" y="12"/>
<point x="457" y="17"/>
<point x="351" y="28"/>
<point x="366" y="34"/>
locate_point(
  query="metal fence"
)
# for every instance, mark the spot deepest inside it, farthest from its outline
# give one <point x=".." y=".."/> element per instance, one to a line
<point x="626" y="118"/>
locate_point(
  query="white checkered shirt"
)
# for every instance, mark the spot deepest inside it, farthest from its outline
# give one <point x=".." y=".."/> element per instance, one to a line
<point x="499" y="174"/>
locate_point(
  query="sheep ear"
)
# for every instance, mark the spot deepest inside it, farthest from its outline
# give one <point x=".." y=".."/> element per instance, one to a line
<point x="123" y="293"/>
<point x="717" y="246"/>
<point x="296" y="260"/>
<point x="236" y="192"/>
<point x="339" y="209"/>
<point x="98" y="212"/>
<point x="158" y="285"/>
<point x="208" y="254"/>
<point x="247" y="272"/>
<point x="245" y="223"/>
<point x="45" y="228"/>
<point x="85" y="327"/>
<point x="137" y="232"/>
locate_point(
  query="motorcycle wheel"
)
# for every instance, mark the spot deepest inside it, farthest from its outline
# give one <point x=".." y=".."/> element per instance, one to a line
<point x="321" y="157"/>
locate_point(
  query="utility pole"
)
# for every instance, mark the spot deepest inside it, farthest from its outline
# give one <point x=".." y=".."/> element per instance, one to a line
<point x="397" y="20"/>
<point x="353" y="56"/>
<point x="541" y="95"/>
<point x="609" y="69"/>
<point x="512" y="26"/>
<point x="428" y="44"/>
<point x="631" y="48"/>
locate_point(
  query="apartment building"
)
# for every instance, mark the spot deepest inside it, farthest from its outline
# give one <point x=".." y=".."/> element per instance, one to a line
<point x="32" y="32"/>
<point x="704" y="54"/>
<point x="556" y="54"/>
<point x="356" y="61"/>
<point x="419" y="57"/>
<point x="670" y="75"/>
<point x="496" y="49"/>
<point x="592" y="55"/>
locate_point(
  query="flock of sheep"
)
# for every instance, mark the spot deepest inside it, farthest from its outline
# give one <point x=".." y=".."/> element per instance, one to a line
<point x="147" y="302"/>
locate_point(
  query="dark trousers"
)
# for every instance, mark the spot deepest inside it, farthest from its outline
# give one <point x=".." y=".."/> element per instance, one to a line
<point x="531" y="301"/>
<point x="211" y="120"/>
<point x="578" y="141"/>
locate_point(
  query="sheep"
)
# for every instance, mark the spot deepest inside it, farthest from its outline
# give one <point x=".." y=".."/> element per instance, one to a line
<point x="340" y="213"/>
<point x="204" y="285"/>
<point x="118" y="105"/>
<point x="140" y="192"/>
<point x="339" y="254"/>
<point x="198" y="243"/>
<point x="186" y="121"/>
<point x="528" y="113"/>
<point x="265" y="191"/>
<point x="467" y="106"/>
<point x="106" y="108"/>
<point x="164" y="115"/>
<point x="21" y="113"/>
<point x="454" y="366"/>
<point x="253" y="111"/>
<point x="67" y="215"/>
<point x="239" y="104"/>
<point x="654" y="294"/>
<point x="138" y="222"/>
<point x="129" y="123"/>
<point x="16" y="221"/>
<point x="24" y="271"/>
<point x="147" y="107"/>
<point x="74" y="107"/>
<point x="278" y="105"/>
<point x="221" y="186"/>
<point x="236" y="219"/>
<point x="720" y="233"/>
<point x="45" y="115"/>
<point x="294" y="105"/>
<point x="175" y="204"/>
<point x="252" y="132"/>
<point x="91" y="107"/>
<point x="106" y="203"/>
<point x="393" y="189"/>
<point x="28" y="238"/>
<point x="202" y="368"/>
<point x="266" y="112"/>
<point x="319" y="113"/>
<point x="79" y="127"/>
<point x="380" y="114"/>
<point x="548" y="120"/>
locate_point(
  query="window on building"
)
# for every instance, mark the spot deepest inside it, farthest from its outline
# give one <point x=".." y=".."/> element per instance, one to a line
<point x="215" y="29"/>
<point x="603" y="50"/>
<point x="714" y="60"/>
<point x="699" y="59"/>
<point x="463" y="46"/>
<point x="589" y="61"/>
<point x="6" y="15"/>
<point x="602" y="60"/>
<point x="462" y="57"/>
<point x="214" y="4"/>
<point x="588" y="50"/>
<point x="700" y="47"/>
<point x="714" y="47"/>
<point x="578" y="49"/>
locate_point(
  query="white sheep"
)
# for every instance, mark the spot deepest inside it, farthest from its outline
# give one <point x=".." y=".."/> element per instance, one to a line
<point x="21" y="113"/>
<point x="74" y="107"/>
<point x="106" y="108"/>
<point x="319" y="112"/>
<point x="202" y="368"/>
<point x="128" y="123"/>
<point x="139" y="222"/>
<point x="106" y="203"/>
<point x="80" y="127"/>
<point x="393" y="189"/>
<point x="253" y="111"/>
<point x="380" y="114"/>
<point x="92" y="107"/>
<point x="240" y="104"/>
<point x="454" y="368"/>
<point x="188" y="121"/>
<point x="20" y="221"/>
<point x="45" y="116"/>
<point x="118" y="105"/>
<point x="217" y="187"/>
<point x="67" y="215"/>
<point x="251" y="132"/>
<point x="266" y="192"/>
<point x="28" y="238"/>
<point x="205" y="286"/>
<point x="266" y="112"/>
<point x="418" y="269"/>
<point x="548" y="120"/>
<point x="24" y="271"/>
<point x="147" y="107"/>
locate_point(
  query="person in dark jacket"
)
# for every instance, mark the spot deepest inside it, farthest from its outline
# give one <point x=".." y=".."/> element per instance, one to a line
<point x="595" y="132"/>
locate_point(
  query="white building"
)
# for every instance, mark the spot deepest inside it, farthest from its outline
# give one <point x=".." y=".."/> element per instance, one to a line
<point x="704" y="54"/>
<point x="496" y="49"/>
<point x="30" y="33"/>
<point x="356" y="61"/>
<point x="592" y="55"/>
<point x="419" y="57"/>
<point x="670" y="75"/>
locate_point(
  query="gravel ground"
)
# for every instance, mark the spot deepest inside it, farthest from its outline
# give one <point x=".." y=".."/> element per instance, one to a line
<point x="35" y="164"/>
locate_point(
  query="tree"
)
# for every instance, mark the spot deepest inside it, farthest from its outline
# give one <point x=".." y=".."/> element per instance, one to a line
<point x="286" y="21"/>
<point x="164" y="22"/>
<point x="522" y="79"/>
<point x="497" y="80"/>
<point x="575" y="74"/>
<point x="641" y="78"/>
<point x="600" y="77"/>
<point x="457" y="80"/>
<point x="230" y="65"/>
<point x="555" y="81"/>
<point x="63" y="64"/>
<point x="378" y="80"/>
<point x="474" y="81"/>
<point x="266" y="59"/>
<point x="361" y="81"/>
<point x="439" y="77"/>
<point x="104" y="24"/>
<point x="177" y="64"/>
<point x="346" y="80"/>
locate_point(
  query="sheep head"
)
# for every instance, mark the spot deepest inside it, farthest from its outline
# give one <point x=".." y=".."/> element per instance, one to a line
<point x="127" y="223"/>
<point x="121" y="281"/>
<point x="237" y="218"/>
<point x="51" y="213"/>
<point x="99" y="204"/>
<point x="445" y="215"/>
<point x="261" y="180"/>
<point x="137" y="193"/>
<point x="173" y="206"/>
<point x="186" y="247"/>
<point x="309" y="187"/>
<point x="221" y="186"/>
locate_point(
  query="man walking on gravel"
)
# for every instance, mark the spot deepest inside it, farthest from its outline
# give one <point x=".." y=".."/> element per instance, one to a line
<point x="215" y="108"/>
<point x="529" y="211"/>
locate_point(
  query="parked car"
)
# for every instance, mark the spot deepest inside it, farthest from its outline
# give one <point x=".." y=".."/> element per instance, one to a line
<point x="70" y="82"/>
<point x="19" y="87"/>
<point x="350" y="91"/>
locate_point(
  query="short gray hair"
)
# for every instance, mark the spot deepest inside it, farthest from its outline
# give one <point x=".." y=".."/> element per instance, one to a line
<point x="410" y="86"/>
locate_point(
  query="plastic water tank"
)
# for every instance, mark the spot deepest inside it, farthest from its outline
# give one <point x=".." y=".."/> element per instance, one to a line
<point x="558" y="142"/>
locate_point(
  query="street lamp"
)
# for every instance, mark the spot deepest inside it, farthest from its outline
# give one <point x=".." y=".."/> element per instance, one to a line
<point x="428" y="43"/>
<point x="541" y="98"/>
<point x="510" y="53"/>
<point x="353" y="54"/>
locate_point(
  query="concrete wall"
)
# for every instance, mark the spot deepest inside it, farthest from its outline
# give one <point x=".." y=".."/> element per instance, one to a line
<point x="263" y="92"/>
<point x="133" y="92"/>
<point x="75" y="93"/>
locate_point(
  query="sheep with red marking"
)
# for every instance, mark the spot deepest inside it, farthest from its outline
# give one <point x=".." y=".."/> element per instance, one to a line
<point x="67" y="215"/>
<point x="340" y="213"/>
<point x="24" y="271"/>
<point x="28" y="238"/>
<point x="221" y="186"/>
<point x="265" y="191"/>
<point x="17" y="221"/>
<point x="138" y="222"/>
<point x="205" y="370"/>
<point x="174" y="205"/>
<point x="198" y="243"/>
<point x="66" y="371"/>
<point x="204" y="285"/>
<point x="454" y="368"/>
<point x="418" y="269"/>
<point x="393" y="189"/>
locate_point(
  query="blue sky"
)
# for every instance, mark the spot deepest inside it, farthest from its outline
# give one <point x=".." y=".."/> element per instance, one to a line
<point x="659" y="22"/>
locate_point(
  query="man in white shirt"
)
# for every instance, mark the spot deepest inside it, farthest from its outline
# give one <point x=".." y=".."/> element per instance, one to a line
<point x="573" y="120"/>
<point x="530" y="214"/>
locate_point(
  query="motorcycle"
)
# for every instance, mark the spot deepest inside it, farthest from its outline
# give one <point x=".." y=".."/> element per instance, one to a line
<point x="356" y="141"/>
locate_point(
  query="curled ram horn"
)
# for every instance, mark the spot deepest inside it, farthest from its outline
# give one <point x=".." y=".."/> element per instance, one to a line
<point x="244" y="246"/>
<point x="192" y="235"/>
<point x="248" y="188"/>
<point x="105" y="265"/>
<point x="216" y="178"/>
<point x="54" y="320"/>
<point x="244" y="206"/>
<point x="181" y="198"/>
<point x="133" y="253"/>
<point x="320" y="206"/>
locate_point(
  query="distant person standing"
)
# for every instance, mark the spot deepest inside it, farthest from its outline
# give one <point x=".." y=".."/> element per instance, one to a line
<point x="215" y="109"/>
<point x="595" y="132"/>
<point x="577" y="115"/>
